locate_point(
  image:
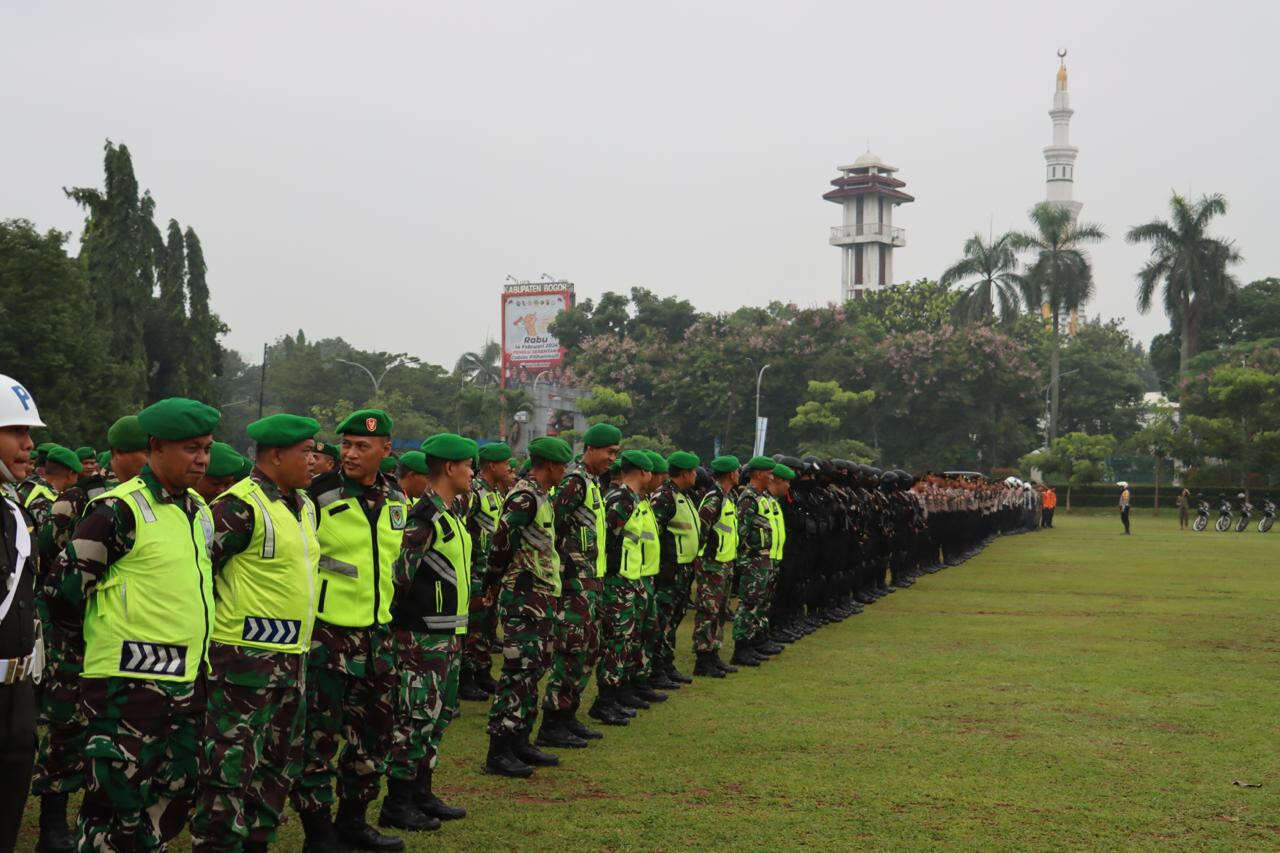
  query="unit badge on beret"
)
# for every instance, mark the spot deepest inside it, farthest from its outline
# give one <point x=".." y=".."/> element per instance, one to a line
<point x="370" y="424"/>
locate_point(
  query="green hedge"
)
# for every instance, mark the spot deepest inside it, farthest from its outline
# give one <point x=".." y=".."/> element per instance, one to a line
<point x="1144" y="496"/>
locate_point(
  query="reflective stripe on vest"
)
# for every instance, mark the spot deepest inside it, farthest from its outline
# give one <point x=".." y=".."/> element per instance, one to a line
<point x="537" y="552"/>
<point x="450" y="560"/>
<point x="640" y="543"/>
<point x="39" y="490"/>
<point x="150" y="614"/>
<point x="772" y="510"/>
<point x="683" y="528"/>
<point x="266" y="594"/>
<point x="355" y="560"/>
<point x="726" y="528"/>
<point x="589" y="521"/>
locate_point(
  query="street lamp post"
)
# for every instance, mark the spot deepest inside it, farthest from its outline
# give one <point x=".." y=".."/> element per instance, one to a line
<point x="759" y="378"/>
<point x="376" y="380"/>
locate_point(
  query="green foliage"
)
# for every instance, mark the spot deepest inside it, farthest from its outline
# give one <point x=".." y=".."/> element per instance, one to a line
<point x="827" y="410"/>
<point x="604" y="405"/>
<point x="661" y="444"/>
<point x="987" y="275"/>
<point x="1077" y="457"/>
<point x="1103" y="393"/>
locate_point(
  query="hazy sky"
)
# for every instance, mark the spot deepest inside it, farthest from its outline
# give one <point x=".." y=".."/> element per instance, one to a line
<point x="375" y="170"/>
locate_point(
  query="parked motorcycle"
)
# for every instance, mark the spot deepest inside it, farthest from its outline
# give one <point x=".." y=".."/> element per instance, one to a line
<point x="1202" y="517"/>
<point x="1246" y="512"/>
<point x="1268" y="516"/>
<point x="1223" y="523"/>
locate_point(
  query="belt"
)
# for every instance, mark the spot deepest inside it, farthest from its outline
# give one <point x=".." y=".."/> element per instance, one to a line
<point x="13" y="670"/>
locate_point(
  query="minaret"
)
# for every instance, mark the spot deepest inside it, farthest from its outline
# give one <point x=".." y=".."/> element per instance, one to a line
<point x="1060" y="157"/>
<point x="868" y="192"/>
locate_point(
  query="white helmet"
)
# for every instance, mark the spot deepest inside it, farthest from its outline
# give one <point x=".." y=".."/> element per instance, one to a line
<point x="17" y="408"/>
<point x="1122" y="484"/>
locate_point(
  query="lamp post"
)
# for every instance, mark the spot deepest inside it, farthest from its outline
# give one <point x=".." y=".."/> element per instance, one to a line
<point x="376" y="380"/>
<point x="759" y="378"/>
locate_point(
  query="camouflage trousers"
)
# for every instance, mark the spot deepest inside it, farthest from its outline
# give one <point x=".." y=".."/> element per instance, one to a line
<point x="254" y="732"/>
<point x="753" y="598"/>
<point x="672" y="601"/>
<point x="645" y="639"/>
<point x="428" y="666"/>
<point x="141" y="769"/>
<point x="526" y="610"/>
<point x="712" y="599"/>
<point x="482" y="629"/>
<point x="60" y="760"/>
<point x="617" y="629"/>
<point x="576" y="644"/>
<point x="351" y="696"/>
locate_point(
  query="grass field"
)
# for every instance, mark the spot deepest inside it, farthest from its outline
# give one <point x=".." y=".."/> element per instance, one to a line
<point x="1073" y="688"/>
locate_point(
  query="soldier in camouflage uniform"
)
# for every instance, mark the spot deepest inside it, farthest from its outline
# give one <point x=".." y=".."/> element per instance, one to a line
<point x="717" y="515"/>
<point x="679" y="545"/>
<point x="644" y="640"/>
<point x="135" y="583"/>
<point x="750" y="647"/>
<point x="264" y="558"/>
<point x="487" y="490"/>
<point x="352" y="685"/>
<point x="579" y="516"/>
<point x="429" y="617"/>
<point x="524" y="554"/>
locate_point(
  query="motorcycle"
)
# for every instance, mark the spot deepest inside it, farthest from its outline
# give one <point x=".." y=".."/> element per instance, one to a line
<point x="1223" y="523"/>
<point x="1202" y="517"/>
<point x="1268" y="516"/>
<point x="1246" y="512"/>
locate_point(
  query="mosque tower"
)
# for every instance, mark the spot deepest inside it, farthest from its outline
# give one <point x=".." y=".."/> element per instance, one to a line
<point x="1060" y="157"/>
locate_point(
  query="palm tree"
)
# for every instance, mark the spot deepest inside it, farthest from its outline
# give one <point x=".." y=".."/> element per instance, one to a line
<point x="1059" y="279"/>
<point x="1191" y="264"/>
<point x="480" y="368"/>
<point x="990" y="268"/>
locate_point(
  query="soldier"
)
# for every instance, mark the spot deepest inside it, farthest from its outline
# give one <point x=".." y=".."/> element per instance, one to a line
<point x="88" y="458"/>
<point x="224" y="470"/>
<point x="579" y="513"/>
<point x="18" y="622"/>
<point x="351" y="679"/>
<point x="495" y="477"/>
<point x="128" y="445"/>
<point x="756" y="534"/>
<point x="264" y="558"/>
<point x="324" y="459"/>
<point x="644" y="641"/>
<point x="679" y="544"/>
<point x="412" y="474"/>
<point x="718" y="518"/>
<point x="778" y="489"/>
<point x="631" y="541"/>
<point x="429" y="616"/>
<point x="525" y="556"/>
<point x="61" y="470"/>
<point x="35" y="493"/>
<point x="135" y="583"/>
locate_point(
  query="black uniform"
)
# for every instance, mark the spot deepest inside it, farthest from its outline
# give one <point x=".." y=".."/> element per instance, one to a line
<point x="17" y="690"/>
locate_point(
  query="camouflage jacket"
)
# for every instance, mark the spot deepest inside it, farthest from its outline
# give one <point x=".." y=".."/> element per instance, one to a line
<point x="619" y="504"/>
<point x="575" y="524"/>
<point x="56" y="531"/>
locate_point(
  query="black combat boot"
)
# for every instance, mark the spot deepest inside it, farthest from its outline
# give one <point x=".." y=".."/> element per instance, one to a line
<point x="55" y="835"/>
<point x="470" y="691"/>
<point x="744" y="656"/>
<point x="486" y="682"/>
<point x="606" y="709"/>
<point x="431" y="805"/>
<point x="502" y="761"/>
<point x="724" y="667"/>
<point x="764" y="647"/>
<point x="553" y="732"/>
<point x="399" y="811"/>
<point x="628" y="698"/>
<point x="677" y="676"/>
<point x="530" y="754"/>
<point x="354" y="831"/>
<point x="647" y="693"/>
<point x="317" y="827"/>
<point x="661" y="681"/>
<point x="706" y="667"/>
<point x="579" y="728"/>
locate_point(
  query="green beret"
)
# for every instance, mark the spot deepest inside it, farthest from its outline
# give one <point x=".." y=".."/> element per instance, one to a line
<point x="366" y="422"/>
<point x="388" y="464"/>
<point x="127" y="435"/>
<point x="498" y="451"/>
<point x="223" y="460"/>
<point x="637" y="459"/>
<point x="601" y="435"/>
<point x="725" y="464"/>
<point x="783" y="472"/>
<point x="84" y="454"/>
<point x="414" y="460"/>
<point x="760" y="463"/>
<point x="246" y="468"/>
<point x="65" y="456"/>
<point x="282" y="430"/>
<point x="177" y="418"/>
<point x="46" y="446"/>
<point x="104" y="459"/>
<point x="617" y="464"/>
<point x="551" y="449"/>
<point x="684" y="460"/>
<point x="449" y="446"/>
<point x="659" y="464"/>
<point x="328" y="448"/>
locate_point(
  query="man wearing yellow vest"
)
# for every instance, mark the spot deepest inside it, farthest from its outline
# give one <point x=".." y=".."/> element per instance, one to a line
<point x="136" y="578"/>
<point x="524" y="553"/>
<point x="631" y="537"/>
<point x="351" y="679"/>
<point x="579" y="513"/>
<point x="680" y="540"/>
<point x="264" y="558"/>
<point x="644" y="637"/>
<point x="756" y="535"/>
<point x="488" y="488"/>
<point x="718" y="517"/>
<point x="429" y="617"/>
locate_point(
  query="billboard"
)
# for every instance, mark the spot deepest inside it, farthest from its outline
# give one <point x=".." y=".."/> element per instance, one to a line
<point x="528" y="347"/>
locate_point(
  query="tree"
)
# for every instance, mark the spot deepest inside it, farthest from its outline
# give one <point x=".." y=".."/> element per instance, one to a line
<point x="1158" y="439"/>
<point x="1187" y="264"/>
<point x="1236" y="414"/>
<point x="204" y="355"/>
<point x="605" y="406"/>
<point x="987" y="275"/>
<point x="826" y="417"/>
<point x="1105" y="381"/>
<point x="167" y="336"/>
<point x="1059" y="279"/>
<point x="480" y="368"/>
<point x="1258" y="307"/>
<point x="1078" y="457"/>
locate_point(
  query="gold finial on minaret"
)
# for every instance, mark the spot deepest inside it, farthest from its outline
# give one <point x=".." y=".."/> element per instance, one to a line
<point x="1062" y="69"/>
